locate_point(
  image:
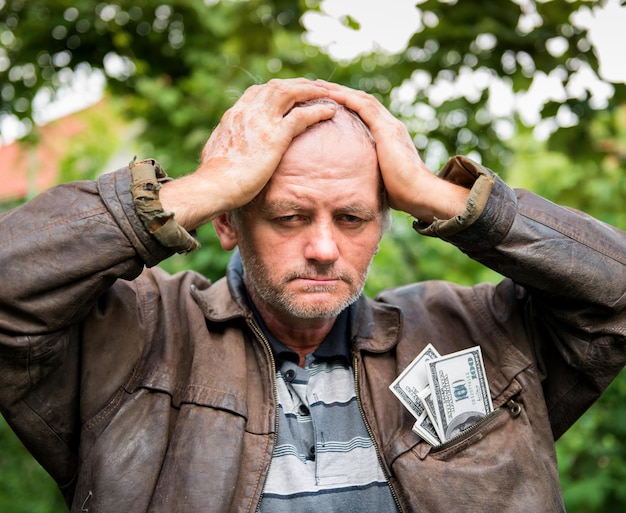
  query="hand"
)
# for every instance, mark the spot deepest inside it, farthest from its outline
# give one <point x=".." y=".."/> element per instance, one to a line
<point x="410" y="185"/>
<point x="244" y="150"/>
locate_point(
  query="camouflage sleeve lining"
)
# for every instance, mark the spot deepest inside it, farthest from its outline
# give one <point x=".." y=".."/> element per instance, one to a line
<point x="148" y="176"/>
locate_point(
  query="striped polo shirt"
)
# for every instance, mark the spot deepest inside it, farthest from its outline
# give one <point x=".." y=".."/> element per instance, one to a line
<point x="324" y="459"/>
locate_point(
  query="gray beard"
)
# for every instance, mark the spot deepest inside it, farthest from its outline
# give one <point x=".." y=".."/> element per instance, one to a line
<point x="284" y="301"/>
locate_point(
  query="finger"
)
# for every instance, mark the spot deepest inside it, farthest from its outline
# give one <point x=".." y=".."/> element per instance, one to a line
<point x="281" y="95"/>
<point x="342" y="91"/>
<point x="379" y="120"/>
<point x="391" y="134"/>
<point x="366" y="105"/>
<point x="299" y="118"/>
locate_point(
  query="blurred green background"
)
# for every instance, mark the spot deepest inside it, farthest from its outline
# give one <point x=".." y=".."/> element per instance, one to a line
<point x="513" y="84"/>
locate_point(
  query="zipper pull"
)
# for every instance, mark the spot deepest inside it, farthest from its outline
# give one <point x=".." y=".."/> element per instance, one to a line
<point x="514" y="407"/>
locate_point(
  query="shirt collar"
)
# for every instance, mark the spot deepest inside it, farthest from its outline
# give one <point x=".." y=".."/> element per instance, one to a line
<point x="336" y="345"/>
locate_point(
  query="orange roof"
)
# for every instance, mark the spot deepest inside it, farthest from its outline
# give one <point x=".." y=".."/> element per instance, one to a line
<point x="25" y="171"/>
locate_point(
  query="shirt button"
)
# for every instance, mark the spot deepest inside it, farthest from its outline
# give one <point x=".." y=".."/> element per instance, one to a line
<point x="289" y="375"/>
<point x="304" y="411"/>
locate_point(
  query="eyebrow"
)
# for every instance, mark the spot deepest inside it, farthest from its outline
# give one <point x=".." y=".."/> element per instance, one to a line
<point x="360" y="210"/>
<point x="278" y="207"/>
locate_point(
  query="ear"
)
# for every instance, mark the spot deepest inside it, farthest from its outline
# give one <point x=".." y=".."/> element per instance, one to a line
<point x="226" y="232"/>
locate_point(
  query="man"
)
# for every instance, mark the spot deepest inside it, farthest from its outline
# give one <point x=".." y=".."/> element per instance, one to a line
<point x="269" y="390"/>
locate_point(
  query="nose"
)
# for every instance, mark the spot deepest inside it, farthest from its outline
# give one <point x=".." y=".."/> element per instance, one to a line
<point x="321" y="245"/>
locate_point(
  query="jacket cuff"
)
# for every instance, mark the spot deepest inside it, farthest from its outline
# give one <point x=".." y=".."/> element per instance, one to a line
<point x="489" y="213"/>
<point x="147" y="177"/>
<point x="115" y="189"/>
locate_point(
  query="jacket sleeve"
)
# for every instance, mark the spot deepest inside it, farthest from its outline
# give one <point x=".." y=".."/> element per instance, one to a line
<point x="58" y="254"/>
<point x="569" y="271"/>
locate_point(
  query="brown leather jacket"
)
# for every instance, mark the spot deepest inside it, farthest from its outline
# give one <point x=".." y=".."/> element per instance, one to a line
<point x="140" y="391"/>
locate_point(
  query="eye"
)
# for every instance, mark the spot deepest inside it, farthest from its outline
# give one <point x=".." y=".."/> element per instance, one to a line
<point x="290" y="219"/>
<point x="350" y="220"/>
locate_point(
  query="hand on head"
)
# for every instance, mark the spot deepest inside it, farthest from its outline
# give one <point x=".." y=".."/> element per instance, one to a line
<point x="246" y="147"/>
<point x="410" y="185"/>
<point x="254" y="134"/>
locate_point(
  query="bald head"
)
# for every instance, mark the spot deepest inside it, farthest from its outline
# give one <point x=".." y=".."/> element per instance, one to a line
<point x="351" y="132"/>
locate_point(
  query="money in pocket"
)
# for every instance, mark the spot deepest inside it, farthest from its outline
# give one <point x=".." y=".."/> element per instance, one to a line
<point x="459" y="391"/>
<point x="446" y="394"/>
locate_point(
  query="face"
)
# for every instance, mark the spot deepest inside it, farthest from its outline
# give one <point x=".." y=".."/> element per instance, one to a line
<point x="307" y="241"/>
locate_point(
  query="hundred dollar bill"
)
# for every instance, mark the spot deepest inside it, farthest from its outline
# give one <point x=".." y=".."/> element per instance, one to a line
<point x="459" y="389"/>
<point x="412" y="380"/>
<point x="425" y="429"/>
<point x="407" y="387"/>
<point x="426" y="398"/>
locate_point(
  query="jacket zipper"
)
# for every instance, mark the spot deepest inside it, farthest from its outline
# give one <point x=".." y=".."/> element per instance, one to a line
<point x="266" y="343"/>
<point x="371" y="435"/>
<point x="514" y="408"/>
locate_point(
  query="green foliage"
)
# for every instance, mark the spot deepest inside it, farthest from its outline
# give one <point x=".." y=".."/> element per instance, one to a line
<point x="24" y="485"/>
<point x="178" y="65"/>
<point x="405" y="257"/>
<point x="85" y="154"/>
<point x="592" y="181"/>
<point x="592" y="455"/>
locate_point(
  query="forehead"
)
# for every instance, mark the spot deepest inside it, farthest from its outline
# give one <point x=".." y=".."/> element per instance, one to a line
<point x="327" y="163"/>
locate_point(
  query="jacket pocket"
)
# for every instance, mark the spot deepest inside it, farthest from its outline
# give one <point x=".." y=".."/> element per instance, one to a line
<point x="507" y="406"/>
<point x="501" y="464"/>
<point x="478" y="431"/>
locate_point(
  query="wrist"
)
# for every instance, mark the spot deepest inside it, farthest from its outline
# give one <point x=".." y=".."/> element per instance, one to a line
<point x="437" y="198"/>
<point x="192" y="201"/>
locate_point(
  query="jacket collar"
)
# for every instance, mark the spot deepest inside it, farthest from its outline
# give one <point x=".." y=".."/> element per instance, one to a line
<point x="375" y="326"/>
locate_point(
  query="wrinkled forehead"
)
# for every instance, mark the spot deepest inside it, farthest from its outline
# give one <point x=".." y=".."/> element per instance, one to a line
<point x="332" y="156"/>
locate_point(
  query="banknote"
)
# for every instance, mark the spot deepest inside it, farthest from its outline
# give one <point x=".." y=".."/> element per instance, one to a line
<point x="425" y="429"/>
<point x="426" y="398"/>
<point x="407" y="387"/>
<point x="412" y="380"/>
<point x="459" y="390"/>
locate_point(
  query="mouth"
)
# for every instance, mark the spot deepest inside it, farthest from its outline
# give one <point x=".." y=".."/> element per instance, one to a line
<point x="318" y="281"/>
<point x="312" y="281"/>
